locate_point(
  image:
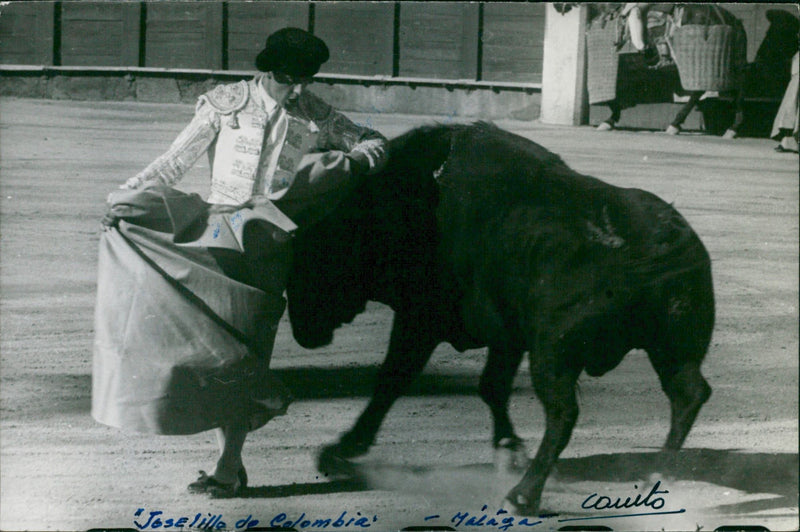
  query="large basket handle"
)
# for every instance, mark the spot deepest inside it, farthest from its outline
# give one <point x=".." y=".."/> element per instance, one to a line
<point x="613" y="16"/>
<point x="676" y="22"/>
<point x="719" y="13"/>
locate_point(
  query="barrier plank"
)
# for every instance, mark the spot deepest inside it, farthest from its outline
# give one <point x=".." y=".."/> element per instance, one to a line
<point x="183" y="34"/>
<point x="100" y="34"/>
<point x="513" y="42"/>
<point x="359" y="35"/>
<point x="439" y="40"/>
<point x="26" y="33"/>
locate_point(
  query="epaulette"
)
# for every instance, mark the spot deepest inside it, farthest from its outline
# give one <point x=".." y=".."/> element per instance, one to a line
<point x="228" y="98"/>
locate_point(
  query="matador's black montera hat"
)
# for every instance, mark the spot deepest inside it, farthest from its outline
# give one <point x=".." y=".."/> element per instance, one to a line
<point x="293" y="51"/>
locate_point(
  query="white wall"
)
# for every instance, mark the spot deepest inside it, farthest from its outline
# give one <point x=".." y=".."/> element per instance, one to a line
<point x="564" y="72"/>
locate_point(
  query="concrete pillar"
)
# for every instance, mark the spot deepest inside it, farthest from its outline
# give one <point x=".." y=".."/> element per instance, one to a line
<point x="564" y="99"/>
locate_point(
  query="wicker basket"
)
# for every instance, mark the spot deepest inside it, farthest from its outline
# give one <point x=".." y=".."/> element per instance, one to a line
<point x="603" y="61"/>
<point x="708" y="57"/>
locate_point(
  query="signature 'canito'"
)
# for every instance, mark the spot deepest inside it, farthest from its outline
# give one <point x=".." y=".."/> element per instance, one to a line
<point x="651" y="500"/>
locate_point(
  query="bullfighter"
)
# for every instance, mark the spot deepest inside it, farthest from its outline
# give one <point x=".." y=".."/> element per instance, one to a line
<point x="257" y="133"/>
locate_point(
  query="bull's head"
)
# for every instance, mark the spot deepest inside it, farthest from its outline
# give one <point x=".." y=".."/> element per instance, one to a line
<point x="377" y="242"/>
<point x="325" y="288"/>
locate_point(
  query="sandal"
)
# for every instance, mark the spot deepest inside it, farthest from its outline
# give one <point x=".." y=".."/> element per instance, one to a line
<point x="780" y="149"/>
<point x="219" y="490"/>
<point x="787" y="145"/>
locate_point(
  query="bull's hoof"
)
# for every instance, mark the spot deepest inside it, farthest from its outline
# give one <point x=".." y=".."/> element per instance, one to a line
<point x="520" y="504"/>
<point x="333" y="465"/>
<point x="667" y="458"/>
<point x="351" y="445"/>
<point x="510" y="456"/>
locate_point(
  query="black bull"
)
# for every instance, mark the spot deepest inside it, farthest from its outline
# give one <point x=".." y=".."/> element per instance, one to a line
<point x="479" y="237"/>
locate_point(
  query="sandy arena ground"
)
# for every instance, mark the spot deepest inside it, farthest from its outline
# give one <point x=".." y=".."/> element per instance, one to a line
<point x="61" y="470"/>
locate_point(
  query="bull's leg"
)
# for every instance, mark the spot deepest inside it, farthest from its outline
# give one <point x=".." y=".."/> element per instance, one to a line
<point x="687" y="391"/>
<point x="410" y="347"/>
<point x="556" y="389"/>
<point x="495" y="388"/>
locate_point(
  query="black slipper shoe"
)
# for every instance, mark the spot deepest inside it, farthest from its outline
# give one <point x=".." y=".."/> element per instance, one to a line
<point x="219" y="490"/>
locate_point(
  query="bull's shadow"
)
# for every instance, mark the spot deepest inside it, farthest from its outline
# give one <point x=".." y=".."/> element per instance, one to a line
<point x="308" y="488"/>
<point x="753" y="473"/>
<point x="359" y="381"/>
<point x="774" y="473"/>
<point x="71" y="393"/>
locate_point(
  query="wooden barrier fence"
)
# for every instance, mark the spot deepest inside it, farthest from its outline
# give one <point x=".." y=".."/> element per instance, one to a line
<point x="464" y="41"/>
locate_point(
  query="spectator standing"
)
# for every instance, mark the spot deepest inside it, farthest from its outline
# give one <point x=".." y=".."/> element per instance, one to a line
<point x="785" y="126"/>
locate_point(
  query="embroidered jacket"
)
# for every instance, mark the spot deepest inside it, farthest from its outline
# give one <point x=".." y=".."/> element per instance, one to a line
<point x="254" y="145"/>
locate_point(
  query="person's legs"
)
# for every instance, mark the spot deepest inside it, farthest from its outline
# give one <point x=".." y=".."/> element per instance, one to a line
<point x="229" y="477"/>
<point x="675" y="127"/>
<point x="611" y="121"/>
<point x="230" y="440"/>
<point x="264" y="265"/>
<point x="786" y="141"/>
